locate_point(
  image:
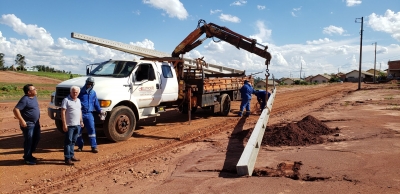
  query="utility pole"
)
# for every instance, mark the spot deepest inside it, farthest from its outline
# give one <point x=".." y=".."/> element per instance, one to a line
<point x="375" y="63"/>
<point x="361" y="36"/>
<point x="301" y="66"/>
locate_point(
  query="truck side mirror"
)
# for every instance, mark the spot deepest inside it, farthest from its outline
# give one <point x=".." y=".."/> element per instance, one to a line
<point x="87" y="71"/>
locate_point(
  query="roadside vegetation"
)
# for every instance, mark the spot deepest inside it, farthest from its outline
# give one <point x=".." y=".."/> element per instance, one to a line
<point x="14" y="91"/>
<point x="55" y="75"/>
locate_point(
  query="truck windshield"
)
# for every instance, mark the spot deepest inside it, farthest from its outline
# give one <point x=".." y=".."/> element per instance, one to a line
<point x="114" y="68"/>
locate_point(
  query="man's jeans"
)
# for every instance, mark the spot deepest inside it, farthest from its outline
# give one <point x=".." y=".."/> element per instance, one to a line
<point x="88" y="121"/>
<point x="31" y="138"/>
<point x="69" y="141"/>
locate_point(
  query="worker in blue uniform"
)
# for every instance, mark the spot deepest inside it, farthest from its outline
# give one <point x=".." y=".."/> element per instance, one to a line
<point x="261" y="94"/>
<point x="246" y="90"/>
<point x="90" y="106"/>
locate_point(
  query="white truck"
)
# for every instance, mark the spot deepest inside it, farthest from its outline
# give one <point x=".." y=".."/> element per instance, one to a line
<point x="130" y="90"/>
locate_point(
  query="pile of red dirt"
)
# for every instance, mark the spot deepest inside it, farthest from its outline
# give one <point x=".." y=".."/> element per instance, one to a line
<point x="305" y="132"/>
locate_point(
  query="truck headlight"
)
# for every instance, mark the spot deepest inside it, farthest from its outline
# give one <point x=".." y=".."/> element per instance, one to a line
<point x="52" y="97"/>
<point x="105" y="103"/>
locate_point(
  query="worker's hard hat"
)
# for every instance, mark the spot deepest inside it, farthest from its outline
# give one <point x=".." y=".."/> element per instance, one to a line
<point x="90" y="80"/>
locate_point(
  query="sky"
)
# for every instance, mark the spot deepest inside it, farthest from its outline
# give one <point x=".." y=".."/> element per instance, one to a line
<point x="306" y="37"/>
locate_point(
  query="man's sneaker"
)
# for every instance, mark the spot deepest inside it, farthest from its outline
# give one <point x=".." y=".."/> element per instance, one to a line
<point x="69" y="162"/>
<point x="75" y="159"/>
<point x="79" y="150"/>
<point x="34" y="158"/>
<point x="95" y="150"/>
<point x="30" y="162"/>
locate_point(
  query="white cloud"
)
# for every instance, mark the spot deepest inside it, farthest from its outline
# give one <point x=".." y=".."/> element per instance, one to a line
<point x="215" y="47"/>
<point x="260" y="7"/>
<point x="40" y="37"/>
<point x="295" y="10"/>
<point x="341" y="50"/>
<point x="319" y="41"/>
<point x="215" y="11"/>
<point x="382" y="50"/>
<point x="145" y="44"/>
<point x="229" y="18"/>
<point x="333" y="30"/>
<point x="174" y="8"/>
<point x="389" y="23"/>
<point x="238" y="3"/>
<point x="263" y="34"/>
<point x="350" y="3"/>
<point x="280" y="60"/>
<point x="137" y="12"/>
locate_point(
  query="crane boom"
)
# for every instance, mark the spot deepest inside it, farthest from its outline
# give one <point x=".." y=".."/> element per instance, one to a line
<point x="212" y="30"/>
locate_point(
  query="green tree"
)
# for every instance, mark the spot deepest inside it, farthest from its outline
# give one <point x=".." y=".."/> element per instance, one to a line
<point x="20" y="62"/>
<point x="1" y="60"/>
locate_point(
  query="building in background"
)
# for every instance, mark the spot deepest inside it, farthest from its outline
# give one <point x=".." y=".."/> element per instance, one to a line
<point x="393" y="71"/>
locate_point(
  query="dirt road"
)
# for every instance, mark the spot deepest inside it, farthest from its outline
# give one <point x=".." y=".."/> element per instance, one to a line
<point x="168" y="155"/>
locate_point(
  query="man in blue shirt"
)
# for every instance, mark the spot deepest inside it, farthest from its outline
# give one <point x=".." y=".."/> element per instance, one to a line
<point x="261" y="94"/>
<point x="90" y="106"/>
<point x="28" y="113"/>
<point x="246" y="90"/>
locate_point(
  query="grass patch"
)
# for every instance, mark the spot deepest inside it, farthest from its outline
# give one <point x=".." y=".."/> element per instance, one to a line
<point x="59" y="76"/>
<point x="14" y="91"/>
<point x="389" y="98"/>
<point x="346" y="103"/>
<point x="393" y="108"/>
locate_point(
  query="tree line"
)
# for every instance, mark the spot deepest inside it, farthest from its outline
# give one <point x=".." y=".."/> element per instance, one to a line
<point x="20" y="64"/>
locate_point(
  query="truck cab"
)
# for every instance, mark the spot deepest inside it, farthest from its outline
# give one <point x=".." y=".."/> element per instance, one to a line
<point x="127" y="90"/>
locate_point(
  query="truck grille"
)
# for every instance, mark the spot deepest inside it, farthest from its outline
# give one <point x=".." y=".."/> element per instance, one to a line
<point x="61" y="93"/>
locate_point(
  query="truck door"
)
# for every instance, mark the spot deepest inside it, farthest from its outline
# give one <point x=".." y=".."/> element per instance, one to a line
<point x="146" y="85"/>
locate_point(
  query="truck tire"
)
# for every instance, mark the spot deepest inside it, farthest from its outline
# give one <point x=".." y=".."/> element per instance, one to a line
<point x="59" y="125"/>
<point x="225" y="102"/>
<point x="120" y="124"/>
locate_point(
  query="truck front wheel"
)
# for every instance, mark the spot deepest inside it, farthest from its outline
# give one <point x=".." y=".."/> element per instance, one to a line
<point x="121" y="124"/>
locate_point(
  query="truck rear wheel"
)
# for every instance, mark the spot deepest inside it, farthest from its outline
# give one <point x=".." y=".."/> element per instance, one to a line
<point x="121" y="124"/>
<point x="225" y="102"/>
<point x="59" y="125"/>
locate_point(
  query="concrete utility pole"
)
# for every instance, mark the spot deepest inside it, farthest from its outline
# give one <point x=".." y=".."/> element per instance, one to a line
<point x="301" y="66"/>
<point x="375" y="63"/>
<point x="361" y="35"/>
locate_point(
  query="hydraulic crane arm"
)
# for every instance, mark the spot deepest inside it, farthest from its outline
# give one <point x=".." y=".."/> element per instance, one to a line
<point x="212" y="30"/>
